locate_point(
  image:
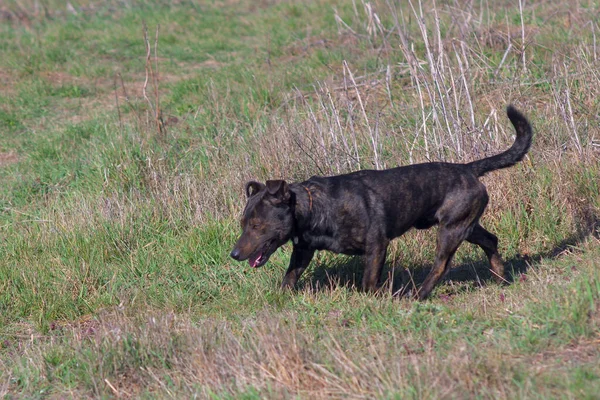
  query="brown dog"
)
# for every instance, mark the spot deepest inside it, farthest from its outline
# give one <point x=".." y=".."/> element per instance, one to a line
<point x="360" y="212"/>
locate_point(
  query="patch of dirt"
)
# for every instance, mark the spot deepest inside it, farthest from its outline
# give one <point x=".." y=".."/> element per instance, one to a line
<point x="580" y="352"/>
<point x="15" y="16"/>
<point x="301" y="48"/>
<point x="6" y="82"/>
<point x="8" y="158"/>
<point x="58" y="77"/>
<point x="498" y="37"/>
<point x="211" y="64"/>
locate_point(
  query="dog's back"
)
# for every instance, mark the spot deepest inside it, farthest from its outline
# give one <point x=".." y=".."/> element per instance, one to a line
<point x="394" y="200"/>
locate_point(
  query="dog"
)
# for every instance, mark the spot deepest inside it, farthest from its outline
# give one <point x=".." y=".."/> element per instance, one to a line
<point x="359" y="213"/>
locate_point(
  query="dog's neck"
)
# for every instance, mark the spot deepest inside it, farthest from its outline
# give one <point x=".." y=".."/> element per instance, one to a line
<point x="310" y="215"/>
<point x="304" y="202"/>
<point x="314" y="217"/>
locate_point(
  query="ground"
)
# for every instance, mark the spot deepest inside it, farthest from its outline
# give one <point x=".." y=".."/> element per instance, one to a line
<point x="128" y="130"/>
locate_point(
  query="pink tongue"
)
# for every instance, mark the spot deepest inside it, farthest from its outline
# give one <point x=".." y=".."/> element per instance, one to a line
<point x="255" y="260"/>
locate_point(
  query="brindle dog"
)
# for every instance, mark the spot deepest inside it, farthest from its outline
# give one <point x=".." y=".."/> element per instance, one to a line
<point x="360" y="212"/>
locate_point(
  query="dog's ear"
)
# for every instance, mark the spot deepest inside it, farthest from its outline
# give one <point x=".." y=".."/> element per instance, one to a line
<point x="253" y="187"/>
<point x="279" y="190"/>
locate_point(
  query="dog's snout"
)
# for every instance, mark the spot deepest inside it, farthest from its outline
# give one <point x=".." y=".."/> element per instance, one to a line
<point x="235" y="254"/>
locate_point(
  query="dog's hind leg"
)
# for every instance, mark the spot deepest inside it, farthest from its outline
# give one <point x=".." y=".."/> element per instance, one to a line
<point x="489" y="243"/>
<point x="448" y="240"/>
<point x="298" y="263"/>
<point x="374" y="261"/>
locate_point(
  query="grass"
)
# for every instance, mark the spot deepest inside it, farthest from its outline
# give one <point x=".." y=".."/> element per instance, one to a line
<point x="116" y="221"/>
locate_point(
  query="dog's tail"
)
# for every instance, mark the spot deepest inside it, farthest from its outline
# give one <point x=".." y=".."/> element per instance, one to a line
<point x="516" y="152"/>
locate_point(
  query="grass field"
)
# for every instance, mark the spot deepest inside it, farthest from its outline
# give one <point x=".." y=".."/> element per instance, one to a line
<point x="127" y="132"/>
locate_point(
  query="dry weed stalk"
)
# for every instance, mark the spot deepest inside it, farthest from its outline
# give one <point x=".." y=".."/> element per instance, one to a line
<point x="152" y="75"/>
<point x="372" y="135"/>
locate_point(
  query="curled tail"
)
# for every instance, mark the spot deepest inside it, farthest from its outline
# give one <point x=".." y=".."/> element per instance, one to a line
<point x="516" y="152"/>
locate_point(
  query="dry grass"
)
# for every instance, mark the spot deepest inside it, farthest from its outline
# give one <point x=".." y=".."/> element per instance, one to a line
<point x="276" y="355"/>
<point x="437" y="105"/>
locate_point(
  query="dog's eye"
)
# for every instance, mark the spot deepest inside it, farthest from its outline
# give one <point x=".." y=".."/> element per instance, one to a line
<point x="254" y="226"/>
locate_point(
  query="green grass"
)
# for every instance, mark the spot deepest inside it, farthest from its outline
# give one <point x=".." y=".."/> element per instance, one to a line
<point x="115" y="279"/>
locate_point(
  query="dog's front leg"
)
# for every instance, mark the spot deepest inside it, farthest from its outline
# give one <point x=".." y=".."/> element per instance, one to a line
<point x="299" y="261"/>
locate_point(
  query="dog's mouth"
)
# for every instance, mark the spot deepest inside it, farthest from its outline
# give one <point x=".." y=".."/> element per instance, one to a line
<point x="260" y="257"/>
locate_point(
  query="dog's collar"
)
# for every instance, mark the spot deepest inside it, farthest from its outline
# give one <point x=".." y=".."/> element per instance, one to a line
<point x="310" y="199"/>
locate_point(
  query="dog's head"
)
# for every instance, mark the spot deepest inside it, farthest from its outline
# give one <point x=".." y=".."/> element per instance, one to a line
<point x="267" y="222"/>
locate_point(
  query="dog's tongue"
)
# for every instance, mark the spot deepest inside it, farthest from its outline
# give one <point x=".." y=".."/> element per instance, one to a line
<point x="255" y="260"/>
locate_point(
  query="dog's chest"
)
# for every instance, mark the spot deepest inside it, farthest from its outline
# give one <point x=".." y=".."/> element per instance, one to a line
<point x="348" y="241"/>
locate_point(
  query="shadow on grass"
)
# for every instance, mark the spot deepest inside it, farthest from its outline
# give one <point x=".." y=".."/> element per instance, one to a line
<point x="400" y="281"/>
